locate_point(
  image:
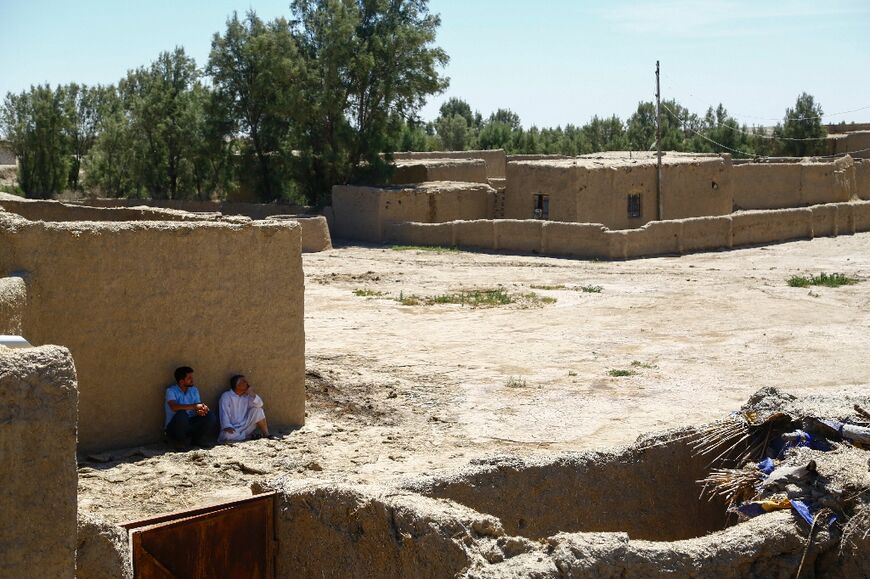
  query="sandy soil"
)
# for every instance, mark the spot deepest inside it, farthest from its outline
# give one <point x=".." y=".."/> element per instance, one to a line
<point x="396" y="390"/>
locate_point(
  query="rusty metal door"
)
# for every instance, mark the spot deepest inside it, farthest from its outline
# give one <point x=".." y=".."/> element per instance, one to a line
<point x="228" y="541"/>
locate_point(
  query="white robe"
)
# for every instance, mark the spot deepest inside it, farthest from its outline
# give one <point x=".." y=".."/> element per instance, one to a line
<point x="241" y="413"/>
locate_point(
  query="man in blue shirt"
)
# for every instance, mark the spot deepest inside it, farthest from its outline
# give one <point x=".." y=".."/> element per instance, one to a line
<point x="187" y="418"/>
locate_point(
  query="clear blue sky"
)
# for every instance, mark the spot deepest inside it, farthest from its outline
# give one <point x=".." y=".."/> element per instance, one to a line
<point x="552" y="62"/>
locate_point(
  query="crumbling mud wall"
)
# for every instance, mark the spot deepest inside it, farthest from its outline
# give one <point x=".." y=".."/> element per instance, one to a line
<point x="13" y="299"/>
<point x="134" y="300"/>
<point x="423" y="170"/>
<point x="677" y="236"/>
<point x="575" y="493"/>
<point x="494" y="159"/>
<point x="102" y="550"/>
<point x="597" y="190"/>
<point x="361" y="213"/>
<point x="331" y="530"/>
<point x="630" y="512"/>
<point x="38" y="400"/>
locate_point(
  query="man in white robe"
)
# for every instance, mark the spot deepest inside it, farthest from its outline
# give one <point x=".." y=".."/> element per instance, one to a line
<point x="241" y="412"/>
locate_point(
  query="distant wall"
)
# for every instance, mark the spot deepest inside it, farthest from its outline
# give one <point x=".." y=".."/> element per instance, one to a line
<point x="315" y="232"/>
<point x="132" y="301"/>
<point x="47" y="210"/>
<point x="784" y="185"/>
<point x="361" y="212"/>
<point x="655" y="238"/>
<point x="856" y="144"/>
<point x="862" y="180"/>
<point x="38" y="458"/>
<point x="581" y="192"/>
<point x="423" y="170"/>
<point x="7" y="157"/>
<point x="252" y="210"/>
<point x="494" y="159"/>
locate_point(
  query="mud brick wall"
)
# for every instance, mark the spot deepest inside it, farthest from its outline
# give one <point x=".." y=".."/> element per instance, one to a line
<point x="134" y="300"/>
<point x="679" y="236"/>
<point x="361" y="213"/>
<point x="38" y="399"/>
<point x="494" y="159"/>
<point x="424" y="170"/>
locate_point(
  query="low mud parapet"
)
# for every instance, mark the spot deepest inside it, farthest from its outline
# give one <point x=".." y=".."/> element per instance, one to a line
<point x="681" y="236"/>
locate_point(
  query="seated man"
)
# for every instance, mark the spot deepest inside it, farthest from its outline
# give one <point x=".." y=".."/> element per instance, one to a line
<point x="187" y="418"/>
<point x="241" y="412"/>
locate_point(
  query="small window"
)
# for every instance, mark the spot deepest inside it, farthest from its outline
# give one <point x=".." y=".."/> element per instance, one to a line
<point x="634" y="206"/>
<point x="542" y="206"/>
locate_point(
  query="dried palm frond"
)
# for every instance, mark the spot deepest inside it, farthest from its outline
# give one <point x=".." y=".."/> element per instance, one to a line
<point x="734" y="485"/>
<point x="743" y="437"/>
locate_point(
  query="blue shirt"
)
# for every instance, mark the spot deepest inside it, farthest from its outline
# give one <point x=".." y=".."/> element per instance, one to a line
<point x="173" y="392"/>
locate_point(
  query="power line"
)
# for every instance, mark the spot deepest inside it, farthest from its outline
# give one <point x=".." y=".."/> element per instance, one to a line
<point x="744" y="153"/>
<point x="740" y="116"/>
<point x="706" y="138"/>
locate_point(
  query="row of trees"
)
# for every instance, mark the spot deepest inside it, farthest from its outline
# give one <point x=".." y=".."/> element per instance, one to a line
<point x="459" y="128"/>
<point x="288" y="108"/>
<point x="284" y="108"/>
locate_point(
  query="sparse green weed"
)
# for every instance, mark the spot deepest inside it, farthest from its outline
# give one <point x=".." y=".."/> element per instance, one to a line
<point x="516" y="382"/>
<point x="547" y="287"/>
<point x="620" y="373"/>
<point x="645" y="365"/>
<point x="823" y="279"/>
<point x="590" y="289"/>
<point x="368" y="293"/>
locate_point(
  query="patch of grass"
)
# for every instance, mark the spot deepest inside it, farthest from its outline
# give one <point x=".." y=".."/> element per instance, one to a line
<point x="516" y="382"/>
<point x="614" y="373"/>
<point x="590" y="289"/>
<point x="533" y="299"/>
<point x="368" y="293"/>
<point x="432" y="248"/>
<point x="12" y="189"/>
<point x="408" y="300"/>
<point x="823" y="279"/>
<point x="646" y="365"/>
<point x="547" y="287"/>
<point x="483" y="298"/>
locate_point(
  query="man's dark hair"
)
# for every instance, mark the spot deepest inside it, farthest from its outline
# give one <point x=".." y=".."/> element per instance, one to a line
<point x="235" y="380"/>
<point x="182" y="371"/>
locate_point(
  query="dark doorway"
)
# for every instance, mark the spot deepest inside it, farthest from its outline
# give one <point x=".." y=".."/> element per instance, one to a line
<point x="542" y="206"/>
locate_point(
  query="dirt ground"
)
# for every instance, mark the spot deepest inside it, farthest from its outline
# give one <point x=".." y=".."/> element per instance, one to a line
<point x="400" y="390"/>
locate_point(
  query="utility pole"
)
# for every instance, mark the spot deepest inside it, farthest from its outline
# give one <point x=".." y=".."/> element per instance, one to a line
<point x="658" y="145"/>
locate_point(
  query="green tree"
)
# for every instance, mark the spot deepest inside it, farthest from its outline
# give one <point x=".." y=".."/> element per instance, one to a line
<point x="34" y="123"/>
<point x="497" y="131"/>
<point x="111" y="166"/>
<point x="802" y="131"/>
<point x="453" y="133"/>
<point x="256" y="70"/>
<point x="368" y="65"/>
<point x="163" y="102"/>
<point x="81" y="112"/>
<point x="641" y="129"/>
<point x="457" y="106"/>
